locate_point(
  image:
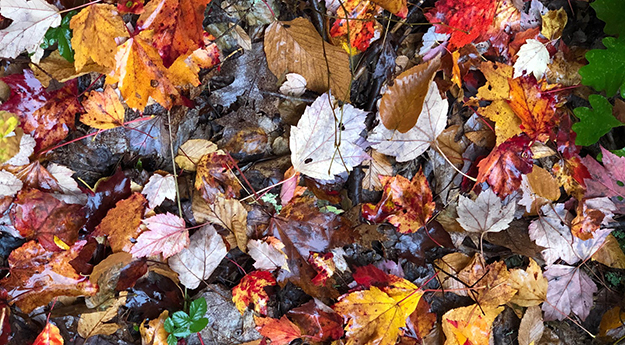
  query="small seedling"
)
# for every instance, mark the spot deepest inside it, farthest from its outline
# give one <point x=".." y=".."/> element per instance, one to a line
<point x="181" y="324"/>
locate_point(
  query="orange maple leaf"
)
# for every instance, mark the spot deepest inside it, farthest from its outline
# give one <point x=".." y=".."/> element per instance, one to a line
<point x="535" y="108"/>
<point x="50" y="335"/>
<point x="251" y="289"/>
<point x="104" y="109"/>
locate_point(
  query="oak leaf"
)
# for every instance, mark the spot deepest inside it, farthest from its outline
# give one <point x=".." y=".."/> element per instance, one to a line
<point x="251" y="289"/>
<point x="50" y="335"/>
<point x="570" y="289"/>
<point x="95" y="29"/>
<point x="159" y="188"/>
<point x="407" y="204"/>
<point x="122" y="223"/>
<point x="104" y="109"/>
<point x="166" y="234"/>
<point x="296" y="47"/>
<point x="402" y="103"/>
<point x="29" y="289"/>
<point x="94" y="323"/>
<point x="31" y="20"/>
<point x="503" y="167"/>
<point x="469" y="325"/>
<point x="410" y="145"/>
<point x="281" y="331"/>
<point x="198" y="261"/>
<point x="140" y="74"/>
<point x="485" y="213"/>
<point x="325" y="141"/>
<point x="532" y="58"/>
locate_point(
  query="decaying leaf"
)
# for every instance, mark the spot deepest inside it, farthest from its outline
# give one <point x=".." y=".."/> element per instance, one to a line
<point x="251" y="289"/>
<point x="191" y="151"/>
<point x="490" y="283"/>
<point x="375" y="167"/>
<point x="155" y="333"/>
<point x="532" y="326"/>
<point x="227" y="213"/>
<point x="166" y="234"/>
<point x="94" y="323"/>
<point x="121" y="223"/>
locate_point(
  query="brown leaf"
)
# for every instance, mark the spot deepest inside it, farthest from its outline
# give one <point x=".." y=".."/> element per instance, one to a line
<point x="121" y="224"/>
<point x="94" y="323"/>
<point x="190" y="153"/>
<point x="227" y="213"/>
<point x="374" y="167"/>
<point x="610" y="253"/>
<point x="530" y="284"/>
<point x="532" y="327"/>
<point x="544" y="184"/>
<point x="402" y="103"/>
<point x="155" y="333"/>
<point x="296" y="47"/>
<point x="215" y="177"/>
<point x="490" y="283"/>
<point x="452" y="148"/>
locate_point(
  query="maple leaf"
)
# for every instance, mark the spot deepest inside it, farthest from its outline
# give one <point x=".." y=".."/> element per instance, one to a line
<point x="227" y="213"/>
<point x="552" y="232"/>
<point x="296" y="47"/>
<point x="140" y="74"/>
<point x="325" y="141"/>
<point x="104" y="109"/>
<point x="251" y="289"/>
<point x="159" y="188"/>
<point x="95" y="29"/>
<point x="469" y="325"/>
<point x="375" y="316"/>
<point x="465" y="20"/>
<point x="50" y="335"/>
<point x="570" y="289"/>
<point x="215" y="177"/>
<point x="198" y="261"/>
<point x="410" y="145"/>
<point x="268" y="254"/>
<point x="490" y="283"/>
<point x="121" y="223"/>
<point x="177" y="26"/>
<point x="324" y="265"/>
<point x="317" y="321"/>
<point x="166" y="234"/>
<point x="94" y="323"/>
<point x="31" y="20"/>
<point x="56" y="276"/>
<point x="402" y="103"/>
<point x="607" y="180"/>
<point x="484" y="213"/>
<point x="9" y="184"/>
<point x="40" y="215"/>
<point x="281" y="331"/>
<point x="594" y="122"/>
<point x="532" y="58"/>
<point x="503" y="167"/>
<point x="530" y="284"/>
<point x="605" y="69"/>
<point x="407" y="204"/>
<point x="184" y="71"/>
<point x="533" y="106"/>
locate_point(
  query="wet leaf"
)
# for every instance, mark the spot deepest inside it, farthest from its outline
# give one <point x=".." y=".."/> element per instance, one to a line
<point x="594" y="122"/>
<point x="296" y="47"/>
<point x="268" y="254"/>
<point x="121" y="224"/>
<point x="94" y="323"/>
<point x="317" y="321"/>
<point x="604" y="71"/>
<point x="104" y="109"/>
<point x="215" y="177"/>
<point x="503" y="167"/>
<point x="251" y="289"/>
<point x="166" y="235"/>
<point x="50" y="335"/>
<point x="281" y="331"/>
<point x="155" y="333"/>
<point x="159" y="188"/>
<point x="534" y="107"/>
<point x="570" y="290"/>
<point x="485" y="213"/>
<point x="10" y="135"/>
<point x="607" y="180"/>
<point x="325" y="141"/>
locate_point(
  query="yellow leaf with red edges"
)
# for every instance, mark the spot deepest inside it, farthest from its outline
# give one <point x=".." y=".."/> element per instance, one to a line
<point x="140" y="74"/>
<point x="51" y="335"/>
<point x="375" y="316"/>
<point x="104" y="109"/>
<point x="184" y="71"/>
<point x="468" y="325"/>
<point x="251" y="289"/>
<point x="95" y="29"/>
<point x="535" y="107"/>
<point x="356" y="25"/>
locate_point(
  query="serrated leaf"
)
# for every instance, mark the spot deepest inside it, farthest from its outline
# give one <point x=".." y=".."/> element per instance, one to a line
<point x="197" y="309"/>
<point x="169" y="325"/>
<point x="160" y="188"/>
<point x="570" y="289"/>
<point x="181" y="319"/>
<point x="532" y="58"/>
<point x="104" y="109"/>
<point x="612" y="13"/>
<point x="61" y="36"/>
<point x="485" y="213"/>
<point x="594" y="122"/>
<point x="606" y="67"/>
<point x="166" y="234"/>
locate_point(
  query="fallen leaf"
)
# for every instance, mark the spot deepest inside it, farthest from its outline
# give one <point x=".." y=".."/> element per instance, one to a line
<point x="251" y="289"/>
<point x="94" y="323"/>
<point x="324" y="265"/>
<point x="355" y="25"/>
<point x="50" y="335"/>
<point x="268" y="254"/>
<point x="190" y="153"/>
<point x="375" y="167"/>
<point x="10" y="135"/>
<point x="215" y="178"/>
<point x="198" y="261"/>
<point x="485" y="213"/>
<point x="31" y="20"/>
<point x="611" y="326"/>
<point x="227" y="213"/>
<point x="95" y="29"/>
<point x="532" y="326"/>
<point x="469" y="325"/>
<point x="317" y="321"/>
<point x="325" y="141"/>
<point x="9" y="184"/>
<point x="122" y="223"/>
<point x="159" y="188"/>
<point x="543" y="184"/>
<point x="552" y="232"/>
<point x="530" y="284"/>
<point x="490" y="284"/>
<point x="532" y="58"/>
<point x="451" y="148"/>
<point x="553" y="24"/>
<point x="296" y="47"/>
<point x="104" y="109"/>
<point x="396" y="7"/>
<point x="402" y="103"/>
<point x="155" y="333"/>
<point x="56" y="67"/>
<point x="184" y="71"/>
<point x="610" y="253"/>
<point x="606" y="180"/>
<point x="281" y="331"/>
<point x="140" y="74"/>
<point x="29" y="289"/>
<point x="407" y="204"/>
<point x="294" y="85"/>
<point x="166" y="234"/>
<point x="570" y="289"/>
<point x="410" y="145"/>
<point x="534" y="107"/>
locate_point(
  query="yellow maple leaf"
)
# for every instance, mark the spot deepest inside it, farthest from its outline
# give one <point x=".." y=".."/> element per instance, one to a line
<point x="94" y="31"/>
<point x="469" y="325"/>
<point x="104" y="109"/>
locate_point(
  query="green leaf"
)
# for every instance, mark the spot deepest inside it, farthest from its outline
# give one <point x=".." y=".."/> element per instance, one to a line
<point x="169" y="325"/>
<point x="62" y="36"/>
<point x="606" y="67"/>
<point x="181" y="319"/>
<point x="172" y="340"/>
<point x="198" y="325"/>
<point x="612" y="13"/>
<point x="594" y="123"/>
<point x="182" y="333"/>
<point x="197" y="309"/>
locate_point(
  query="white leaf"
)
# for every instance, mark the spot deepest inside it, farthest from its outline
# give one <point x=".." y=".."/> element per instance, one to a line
<point x="160" y="188"/>
<point x="410" y="145"/>
<point x="9" y="184"/>
<point x="294" y="85"/>
<point x="200" y="259"/>
<point x="312" y="142"/>
<point x="166" y="234"/>
<point x="551" y="231"/>
<point x="485" y="213"/>
<point x="31" y="20"/>
<point x="532" y="58"/>
<point x="532" y="326"/>
<point x="27" y="147"/>
<point x="268" y="255"/>
<point x="570" y="289"/>
<point x="71" y="193"/>
<point x="431" y="39"/>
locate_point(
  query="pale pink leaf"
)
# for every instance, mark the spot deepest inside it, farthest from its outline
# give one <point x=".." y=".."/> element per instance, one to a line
<point x="268" y="254"/>
<point x="160" y="188"/>
<point x="166" y="234"/>
<point x="570" y="290"/>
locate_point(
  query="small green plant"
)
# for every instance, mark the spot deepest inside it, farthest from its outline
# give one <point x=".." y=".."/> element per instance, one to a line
<point x="181" y="324"/>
